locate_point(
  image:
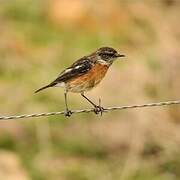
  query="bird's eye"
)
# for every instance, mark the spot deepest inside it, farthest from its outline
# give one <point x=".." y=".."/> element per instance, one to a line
<point x="106" y="55"/>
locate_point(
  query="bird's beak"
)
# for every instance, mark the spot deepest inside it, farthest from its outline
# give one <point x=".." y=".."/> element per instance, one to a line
<point x="120" y="55"/>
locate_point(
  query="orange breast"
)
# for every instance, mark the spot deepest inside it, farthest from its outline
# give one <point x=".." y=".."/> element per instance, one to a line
<point x="89" y="80"/>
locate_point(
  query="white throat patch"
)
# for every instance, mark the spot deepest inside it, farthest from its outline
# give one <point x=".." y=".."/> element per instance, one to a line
<point x="103" y="62"/>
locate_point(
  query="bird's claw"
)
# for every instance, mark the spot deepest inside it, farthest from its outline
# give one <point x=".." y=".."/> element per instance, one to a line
<point x="67" y="113"/>
<point x="98" y="109"/>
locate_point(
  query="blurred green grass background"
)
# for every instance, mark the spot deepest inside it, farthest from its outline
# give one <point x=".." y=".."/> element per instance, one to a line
<point x="39" y="39"/>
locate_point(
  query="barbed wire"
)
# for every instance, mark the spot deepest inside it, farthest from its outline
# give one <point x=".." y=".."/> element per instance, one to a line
<point x="165" y="103"/>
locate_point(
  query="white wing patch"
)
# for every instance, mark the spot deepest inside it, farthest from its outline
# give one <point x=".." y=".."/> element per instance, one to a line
<point x="67" y="70"/>
<point x="77" y="67"/>
<point x="70" y="69"/>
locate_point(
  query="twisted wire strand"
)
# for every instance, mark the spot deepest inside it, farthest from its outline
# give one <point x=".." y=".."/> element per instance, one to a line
<point x="165" y="103"/>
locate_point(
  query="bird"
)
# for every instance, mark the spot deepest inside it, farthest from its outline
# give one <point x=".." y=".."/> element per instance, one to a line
<point x="84" y="74"/>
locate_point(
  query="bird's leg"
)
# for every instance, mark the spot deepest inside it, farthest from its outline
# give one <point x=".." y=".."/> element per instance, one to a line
<point x="97" y="108"/>
<point x="67" y="111"/>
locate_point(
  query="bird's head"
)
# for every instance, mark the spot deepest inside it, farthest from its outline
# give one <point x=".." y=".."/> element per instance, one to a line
<point x="107" y="55"/>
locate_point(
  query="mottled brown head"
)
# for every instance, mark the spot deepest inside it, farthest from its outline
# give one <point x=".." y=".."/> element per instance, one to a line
<point x="108" y="54"/>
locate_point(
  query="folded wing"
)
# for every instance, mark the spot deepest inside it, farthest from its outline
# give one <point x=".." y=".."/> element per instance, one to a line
<point x="77" y="69"/>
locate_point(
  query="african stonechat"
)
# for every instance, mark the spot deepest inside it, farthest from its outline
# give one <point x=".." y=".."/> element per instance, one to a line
<point x="84" y="74"/>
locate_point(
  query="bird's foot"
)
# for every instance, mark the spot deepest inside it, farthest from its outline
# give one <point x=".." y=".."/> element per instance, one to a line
<point x="67" y="113"/>
<point x="98" y="108"/>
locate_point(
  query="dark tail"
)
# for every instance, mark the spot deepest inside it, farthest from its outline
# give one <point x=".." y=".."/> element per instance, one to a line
<point x="45" y="87"/>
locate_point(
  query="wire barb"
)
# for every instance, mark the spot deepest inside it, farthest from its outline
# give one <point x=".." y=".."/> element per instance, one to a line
<point x="165" y="103"/>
